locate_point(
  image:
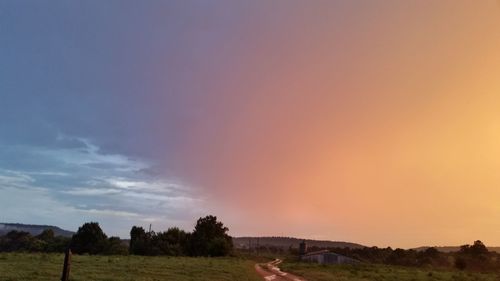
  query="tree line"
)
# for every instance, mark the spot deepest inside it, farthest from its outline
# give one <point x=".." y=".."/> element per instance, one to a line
<point x="20" y="241"/>
<point x="475" y="257"/>
<point x="209" y="238"/>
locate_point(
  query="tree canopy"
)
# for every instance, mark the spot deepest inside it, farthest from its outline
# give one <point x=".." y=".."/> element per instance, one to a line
<point x="89" y="239"/>
<point x="210" y="238"/>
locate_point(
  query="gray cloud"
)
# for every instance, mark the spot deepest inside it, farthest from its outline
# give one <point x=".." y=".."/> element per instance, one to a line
<point x="81" y="183"/>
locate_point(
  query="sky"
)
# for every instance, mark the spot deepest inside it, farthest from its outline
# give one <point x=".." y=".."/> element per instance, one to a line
<point x="376" y="122"/>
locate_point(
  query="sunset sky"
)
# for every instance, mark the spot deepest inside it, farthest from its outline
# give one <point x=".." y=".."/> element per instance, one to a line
<point x="376" y="122"/>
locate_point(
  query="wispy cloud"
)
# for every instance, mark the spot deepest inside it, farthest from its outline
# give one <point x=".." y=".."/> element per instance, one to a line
<point x="113" y="213"/>
<point x="87" y="191"/>
<point x="89" y="155"/>
<point x="80" y="183"/>
<point x="14" y="178"/>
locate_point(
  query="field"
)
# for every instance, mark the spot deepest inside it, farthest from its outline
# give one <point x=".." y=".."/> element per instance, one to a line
<point x="45" y="267"/>
<point x="365" y="272"/>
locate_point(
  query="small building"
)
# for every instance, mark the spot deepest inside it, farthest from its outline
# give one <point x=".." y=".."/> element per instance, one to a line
<point x="327" y="257"/>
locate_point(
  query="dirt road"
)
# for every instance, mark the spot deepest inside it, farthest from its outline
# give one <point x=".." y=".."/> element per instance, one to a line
<point x="270" y="271"/>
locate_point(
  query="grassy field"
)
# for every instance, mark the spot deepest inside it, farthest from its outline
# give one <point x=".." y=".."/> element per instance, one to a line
<point x="45" y="267"/>
<point x="365" y="272"/>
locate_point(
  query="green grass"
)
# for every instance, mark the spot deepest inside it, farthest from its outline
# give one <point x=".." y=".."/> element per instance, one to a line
<point x="45" y="267"/>
<point x="368" y="272"/>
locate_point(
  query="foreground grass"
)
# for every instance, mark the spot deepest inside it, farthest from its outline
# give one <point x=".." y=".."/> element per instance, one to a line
<point x="45" y="267"/>
<point x="369" y="272"/>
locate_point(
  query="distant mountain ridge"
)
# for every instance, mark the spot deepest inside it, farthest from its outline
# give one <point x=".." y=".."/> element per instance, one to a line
<point x="287" y="242"/>
<point x="33" y="229"/>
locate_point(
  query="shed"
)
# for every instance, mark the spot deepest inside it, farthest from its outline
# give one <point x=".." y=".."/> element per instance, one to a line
<point x="327" y="257"/>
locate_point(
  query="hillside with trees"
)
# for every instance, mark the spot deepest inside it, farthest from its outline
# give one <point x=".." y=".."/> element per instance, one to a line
<point x="288" y="242"/>
<point x="33" y="229"/>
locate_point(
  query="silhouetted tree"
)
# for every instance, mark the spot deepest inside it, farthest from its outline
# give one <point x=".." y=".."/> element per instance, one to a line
<point x="139" y="241"/>
<point x="403" y="257"/>
<point x="432" y="257"/>
<point x="89" y="239"/>
<point x="20" y="241"/>
<point x="477" y="256"/>
<point x="172" y="242"/>
<point x="478" y="249"/>
<point x="210" y="238"/>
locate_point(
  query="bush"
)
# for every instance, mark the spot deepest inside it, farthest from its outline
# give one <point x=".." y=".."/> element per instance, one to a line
<point x="115" y="246"/>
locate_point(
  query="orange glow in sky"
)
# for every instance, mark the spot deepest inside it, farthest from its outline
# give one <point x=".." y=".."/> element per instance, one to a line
<point x="381" y="127"/>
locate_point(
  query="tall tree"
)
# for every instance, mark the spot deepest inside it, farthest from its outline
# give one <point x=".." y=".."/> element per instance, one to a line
<point x="89" y="239"/>
<point x="210" y="238"/>
<point x="139" y="241"/>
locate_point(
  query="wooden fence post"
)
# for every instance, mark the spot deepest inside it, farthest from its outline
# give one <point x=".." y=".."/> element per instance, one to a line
<point x="67" y="265"/>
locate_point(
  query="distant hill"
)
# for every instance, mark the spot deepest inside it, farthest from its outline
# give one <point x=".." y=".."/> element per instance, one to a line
<point x="287" y="242"/>
<point x="449" y="249"/>
<point x="33" y="229"/>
